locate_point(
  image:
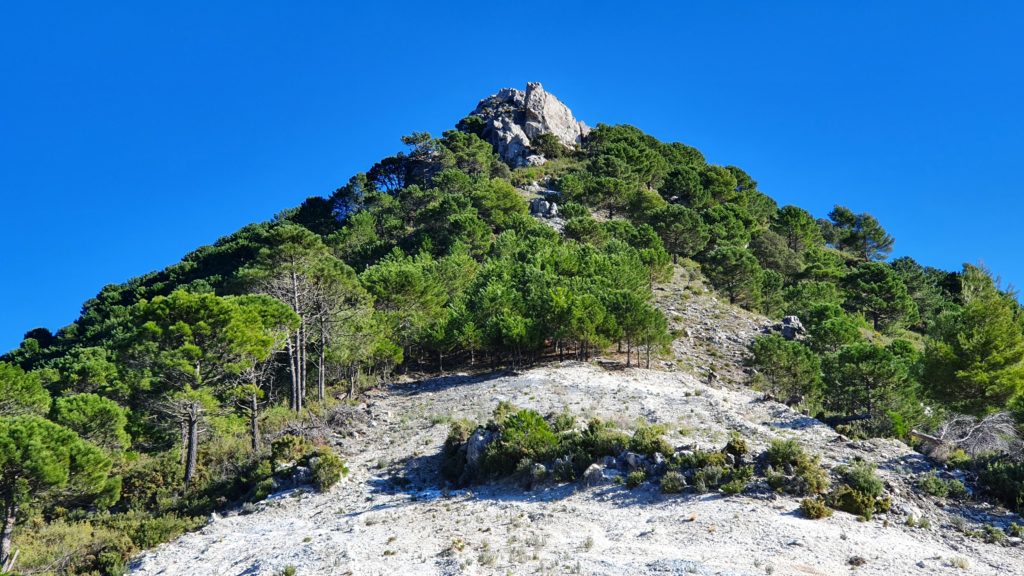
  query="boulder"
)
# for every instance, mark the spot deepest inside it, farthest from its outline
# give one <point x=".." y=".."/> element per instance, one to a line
<point x="593" y="475"/>
<point x="789" y="328"/>
<point x="513" y="118"/>
<point x="542" y="207"/>
<point x="630" y="461"/>
<point x="537" y="473"/>
<point x="475" y="447"/>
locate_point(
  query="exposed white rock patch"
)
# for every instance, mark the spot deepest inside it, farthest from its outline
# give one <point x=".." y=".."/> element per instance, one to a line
<point x="391" y="517"/>
<point x="512" y="118"/>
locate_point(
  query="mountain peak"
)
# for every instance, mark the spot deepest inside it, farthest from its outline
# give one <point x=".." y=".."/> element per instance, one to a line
<point x="514" y="119"/>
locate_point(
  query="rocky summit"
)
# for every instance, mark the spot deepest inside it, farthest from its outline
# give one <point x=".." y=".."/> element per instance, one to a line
<point x="513" y="120"/>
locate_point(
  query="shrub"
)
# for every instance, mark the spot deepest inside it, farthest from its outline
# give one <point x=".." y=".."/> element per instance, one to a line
<point x="958" y="459"/>
<point x="815" y="508"/>
<point x="571" y="210"/>
<point x="701" y="459"/>
<point x="853" y="501"/>
<point x="736" y="446"/>
<point x="563" y="470"/>
<point x="327" y="468"/>
<point x="930" y="484"/>
<point x="811" y="478"/>
<point x="563" y="422"/>
<point x="600" y="439"/>
<point x="288" y="448"/>
<point x="782" y="452"/>
<point x="522" y="434"/>
<point x="993" y="535"/>
<point x="940" y="488"/>
<point x="648" y="439"/>
<point x="792" y="470"/>
<point x="1015" y="530"/>
<point x="734" y="486"/>
<point x="635" y="478"/>
<point x="860" y="476"/>
<point x="709" y="477"/>
<point x="672" y="482"/>
<point x="1004" y="481"/>
<point x="957" y="490"/>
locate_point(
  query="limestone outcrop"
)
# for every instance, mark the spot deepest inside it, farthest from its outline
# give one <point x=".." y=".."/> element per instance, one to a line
<point x="514" y="119"/>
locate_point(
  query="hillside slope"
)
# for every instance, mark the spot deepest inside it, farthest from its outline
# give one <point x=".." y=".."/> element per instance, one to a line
<point x="390" y="516"/>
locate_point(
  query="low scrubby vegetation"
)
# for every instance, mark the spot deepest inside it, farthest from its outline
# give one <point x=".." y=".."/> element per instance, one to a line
<point x="523" y="445"/>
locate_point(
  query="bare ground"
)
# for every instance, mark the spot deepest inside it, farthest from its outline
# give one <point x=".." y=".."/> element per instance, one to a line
<point x="390" y="515"/>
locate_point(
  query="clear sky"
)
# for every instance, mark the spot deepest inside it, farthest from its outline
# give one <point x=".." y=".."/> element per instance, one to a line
<point x="134" y="132"/>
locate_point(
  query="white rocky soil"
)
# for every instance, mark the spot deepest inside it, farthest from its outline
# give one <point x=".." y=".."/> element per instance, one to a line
<point x="390" y="517"/>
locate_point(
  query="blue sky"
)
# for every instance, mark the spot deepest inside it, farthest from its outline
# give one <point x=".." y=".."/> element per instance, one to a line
<point x="134" y="132"/>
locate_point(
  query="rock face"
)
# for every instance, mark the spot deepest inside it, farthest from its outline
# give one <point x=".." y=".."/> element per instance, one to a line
<point x="513" y="118"/>
<point x="542" y="207"/>
<point x="790" y="328"/>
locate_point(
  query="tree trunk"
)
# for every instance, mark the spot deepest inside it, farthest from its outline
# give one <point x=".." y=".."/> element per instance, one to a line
<point x="293" y="372"/>
<point x="321" y="378"/>
<point x="193" y="449"/>
<point x="254" y="422"/>
<point x="7" y="530"/>
<point x="183" y="457"/>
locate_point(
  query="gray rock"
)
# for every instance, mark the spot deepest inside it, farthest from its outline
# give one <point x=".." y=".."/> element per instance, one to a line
<point x="542" y="207"/>
<point x="593" y="475"/>
<point x="631" y="461"/>
<point x="512" y="118"/>
<point x="538" y="472"/>
<point x="475" y="447"/>
<point x="790" y="328"/>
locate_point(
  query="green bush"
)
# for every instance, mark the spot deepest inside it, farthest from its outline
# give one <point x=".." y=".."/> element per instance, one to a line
<point x="958" y="459"/>
<point x="807" y="477"/>
<point x="635" y="478"/>
<point x="734" y="486"/>
<point x="1003" y="480"/>
<point x="523" y="434"/>
<point x="327" y="468"/>
<point x="931" y="484"/>
<point x="700" y="459"/>
<point x="736" y="446"/>
<point x="672" y="482"/>
<point x="563" y="422"/>
<point x="648" y="439"/>
<point x="782" y="452"/>
<point x="993" y="535"/>
<point x="957" y="490"/>
<point x="288" y="448"/>
<point x="860" y="475"/>
<point x="853" y="501"/>
<point x="709" y="477"/>
<point x="815" y="508"/>
<point x="601" y="440"/>
<point x="571" y="210"/>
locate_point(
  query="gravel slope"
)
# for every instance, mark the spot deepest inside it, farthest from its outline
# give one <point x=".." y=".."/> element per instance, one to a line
<point x="389" y="516"/>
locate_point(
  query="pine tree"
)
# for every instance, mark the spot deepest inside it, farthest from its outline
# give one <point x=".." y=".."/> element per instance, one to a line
<point x="975" y="361"/>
